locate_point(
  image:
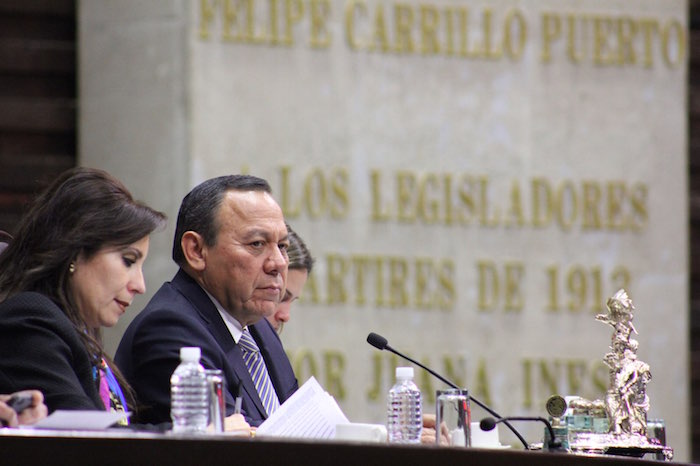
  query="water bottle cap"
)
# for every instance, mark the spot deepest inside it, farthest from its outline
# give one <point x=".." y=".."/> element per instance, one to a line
<point x="190" y="353"/>
<point x="404" y="372"/>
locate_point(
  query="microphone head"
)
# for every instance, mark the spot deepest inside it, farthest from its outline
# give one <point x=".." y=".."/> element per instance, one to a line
<point x="487" y="423"/>
<point x="377" y="341"/>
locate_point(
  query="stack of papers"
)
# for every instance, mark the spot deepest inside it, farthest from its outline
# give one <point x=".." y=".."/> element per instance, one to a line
<point x="80" y="420"/>
<point x="309" y="413"/>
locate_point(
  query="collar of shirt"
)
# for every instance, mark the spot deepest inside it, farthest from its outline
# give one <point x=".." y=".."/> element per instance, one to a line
<point x="234" y="327"/>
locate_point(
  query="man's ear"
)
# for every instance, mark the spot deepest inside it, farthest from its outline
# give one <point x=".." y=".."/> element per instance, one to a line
<point x="194" y="250"/>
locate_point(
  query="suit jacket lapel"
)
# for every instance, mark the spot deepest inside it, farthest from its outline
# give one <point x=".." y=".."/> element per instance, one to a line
<point x="210" y="315"/>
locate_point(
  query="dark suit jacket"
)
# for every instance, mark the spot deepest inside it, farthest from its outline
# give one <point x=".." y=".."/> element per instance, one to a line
<point x="40" y="348"/>
<point x="181" y="314"/>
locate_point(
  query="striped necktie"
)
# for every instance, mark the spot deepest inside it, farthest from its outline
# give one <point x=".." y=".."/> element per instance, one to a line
<point x="258" y="372"/>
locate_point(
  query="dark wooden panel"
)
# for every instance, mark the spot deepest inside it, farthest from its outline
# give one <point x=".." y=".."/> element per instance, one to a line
<point x="37" y="27"/>
<point x="44" y="86"/>
<point x="37" y="115"/>
<point x="29" y="172"/>
<point x="37" y="99"/>
<point x="694" y="216"/>
<point x="18" y="143"/>
<point x="59" y="8"/>
<point x="37" y="57"/>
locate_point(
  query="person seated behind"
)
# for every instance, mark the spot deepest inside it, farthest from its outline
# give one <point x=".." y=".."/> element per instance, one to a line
<point x="231" y="245"/>
<point x="74" y="266"/>
<point x="35" y="412"/>
<point x="299" y="268"/>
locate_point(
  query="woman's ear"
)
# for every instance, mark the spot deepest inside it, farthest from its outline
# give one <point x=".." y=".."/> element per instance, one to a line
<point x="194" y="250"/>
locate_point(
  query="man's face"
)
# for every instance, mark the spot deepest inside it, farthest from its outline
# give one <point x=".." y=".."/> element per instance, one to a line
<point x="246" y="269"/>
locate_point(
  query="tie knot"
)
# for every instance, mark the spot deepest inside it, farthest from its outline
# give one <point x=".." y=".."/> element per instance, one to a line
<point x="247" y="342"/>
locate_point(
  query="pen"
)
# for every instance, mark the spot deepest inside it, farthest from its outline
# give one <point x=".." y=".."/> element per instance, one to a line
<point x="237" y="398"/>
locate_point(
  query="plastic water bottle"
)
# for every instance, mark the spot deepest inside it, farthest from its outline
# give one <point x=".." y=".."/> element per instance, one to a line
<point x="404" y="411"/>
<point x="189" y="408"/>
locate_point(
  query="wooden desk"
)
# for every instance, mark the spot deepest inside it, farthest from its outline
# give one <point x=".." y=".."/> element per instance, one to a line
<point x="125" y="448"/>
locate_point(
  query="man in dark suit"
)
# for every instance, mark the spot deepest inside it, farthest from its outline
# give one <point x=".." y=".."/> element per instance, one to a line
<point x="230" y="243"/>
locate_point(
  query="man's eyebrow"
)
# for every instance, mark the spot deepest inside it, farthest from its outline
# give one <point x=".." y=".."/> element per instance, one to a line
<point x="261" y="232"/>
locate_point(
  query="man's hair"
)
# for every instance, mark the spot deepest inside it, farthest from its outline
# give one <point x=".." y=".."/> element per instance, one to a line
<point x="299" y="255"/>
<point x="198" y="211"/>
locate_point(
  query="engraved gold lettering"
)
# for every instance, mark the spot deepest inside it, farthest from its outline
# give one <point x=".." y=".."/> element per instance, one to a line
<point x="447" y="294"/>
<point x="353" y="7"/>
<point x="379" y="212"/>
<point x="591" y="206"/>
<point x="380" y="38"/>
<point x="206" y="16"/>
<point x="428" y="209"/>
<point x="484" y="210"/>
<point x="566" y="205"/>
<point x="290" y="211"/>
<point x="320" y="36"/>
<point x="515" y="214"/>
<point x="602" y="27"/>
<point x="406" y="201"/>
<point x="403" y="18"/>
<point x="337" y="269"/>
<point x="423" y="269"/>
<point x="572" y="39"/>
<point x="487" y="285"/>
<point x="311" y="293"/>
<point x="304" y="364"/>
<point x="626" y="31"/>
<point x="293" y="14"/>
<point x="340" y="201"/>
<point x="514" y="20"/>
<point x="429" y="27"/>
<point x="542" y="378"/>
<point x="334" y="368"/>
<point x="230" y="21"/>
<point x="398" y="294"/>
<point x="551" y="31"/>
<point x="649" y="28"/>
<point x="616" y="193"/>
<point x="449" y="32"/>
<point x="582" y="287"/>
<point x="667" y="42"/>
<point x="360" y="265"/>
<point x="514" y="299"/>
<point x="481" y="386"/>
<point x="639" y="216"/>
<point x="489" y="49"/>
<point x="542" y="203"/>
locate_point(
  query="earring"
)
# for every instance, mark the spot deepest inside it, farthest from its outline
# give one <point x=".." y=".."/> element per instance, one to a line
<point x="71" y="268"/>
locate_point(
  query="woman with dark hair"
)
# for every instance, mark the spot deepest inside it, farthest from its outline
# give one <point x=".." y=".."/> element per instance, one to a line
<point x="74" y="266"/>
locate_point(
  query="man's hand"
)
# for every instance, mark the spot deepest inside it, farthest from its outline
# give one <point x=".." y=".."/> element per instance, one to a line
<point x="236" y="423"/>
<point x="428" y="435"/>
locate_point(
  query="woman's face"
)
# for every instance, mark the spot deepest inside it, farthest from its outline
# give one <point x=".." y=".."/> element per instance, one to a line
<point x="104" y="285"/>
<point x="296" y="278"/>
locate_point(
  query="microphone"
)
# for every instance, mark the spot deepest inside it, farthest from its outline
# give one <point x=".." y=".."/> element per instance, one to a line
<point x="382" y="343"/>
<point x="553" y="444"/>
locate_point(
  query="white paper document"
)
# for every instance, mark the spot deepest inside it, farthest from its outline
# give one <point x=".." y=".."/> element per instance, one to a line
<point x="80" y="420"/>
<point x="309" y="413"/>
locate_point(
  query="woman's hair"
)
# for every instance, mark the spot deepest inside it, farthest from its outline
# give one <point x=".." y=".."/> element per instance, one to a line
<point x="299" y="255"/>
<point x="82" y="211"/>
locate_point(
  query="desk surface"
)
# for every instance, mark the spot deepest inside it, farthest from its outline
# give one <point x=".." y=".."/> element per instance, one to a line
<point x="125" y="448"/>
